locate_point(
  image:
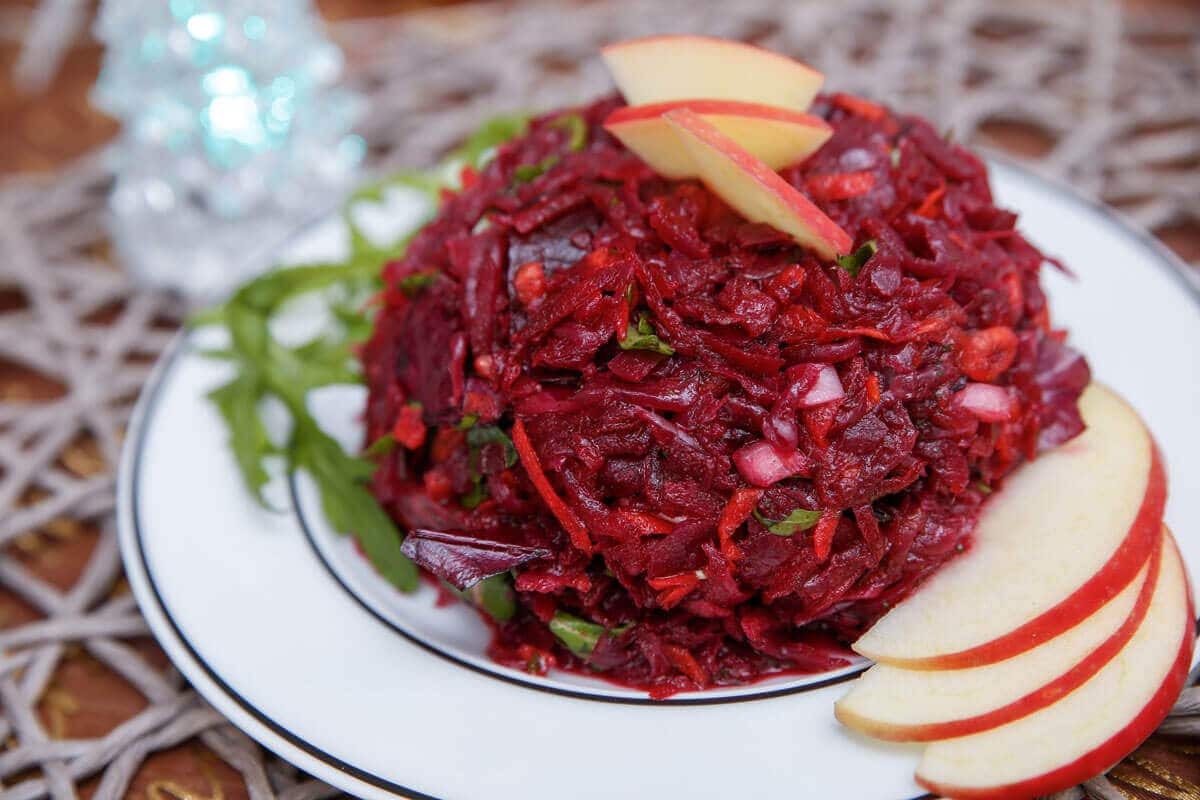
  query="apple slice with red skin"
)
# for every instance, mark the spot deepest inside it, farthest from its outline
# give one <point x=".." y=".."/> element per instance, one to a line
<point x="1064" y="535"/>
<point x="775" y="136"/>
<point x="903" y="705"/>
<point x="754" y="189"/>
<point x="1088" y="730"/>
<point x="661" y="68"/>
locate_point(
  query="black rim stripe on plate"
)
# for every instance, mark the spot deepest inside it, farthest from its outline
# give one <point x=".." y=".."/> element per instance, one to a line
<point x="1165" y="258"/>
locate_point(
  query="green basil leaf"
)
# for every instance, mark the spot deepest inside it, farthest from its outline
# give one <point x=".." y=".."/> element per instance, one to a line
<point x="800" y="519"/>
<point x="854" y="262"/>
<point x="577" y="635"/>
<point x="237" y="402"/>
<point x="643" y="337"/>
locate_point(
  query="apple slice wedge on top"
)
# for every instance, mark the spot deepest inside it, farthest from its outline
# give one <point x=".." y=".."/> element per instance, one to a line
<point x="1089" y="729"/>
<point x="753" y="188"/>
<point x="904" y="705"/>
<point x="661" y="68"/>
<point x="1065" y="535"/>
<point x="775" y="136"/>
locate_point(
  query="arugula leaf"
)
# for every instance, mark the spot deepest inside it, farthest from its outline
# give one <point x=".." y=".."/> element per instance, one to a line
<point x="643" y="337"/>
<point x="854" y="262"/>
<point x="576" y="126"/>
<point x="348" y="505"/>
<point x="801" y="519"/>
<point x="238" y="403"/>
<point x="578" y="635"/>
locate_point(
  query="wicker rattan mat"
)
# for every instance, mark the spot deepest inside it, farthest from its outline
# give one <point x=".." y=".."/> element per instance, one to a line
<point x="92" y="707"/>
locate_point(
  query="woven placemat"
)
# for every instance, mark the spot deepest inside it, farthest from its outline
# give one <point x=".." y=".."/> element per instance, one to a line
<point x="1110" y="104"/>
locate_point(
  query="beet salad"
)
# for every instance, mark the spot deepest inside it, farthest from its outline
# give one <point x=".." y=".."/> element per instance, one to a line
<point x="681" y="448"/>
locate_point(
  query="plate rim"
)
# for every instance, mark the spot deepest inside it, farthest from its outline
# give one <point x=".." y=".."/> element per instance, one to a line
<point x="293" y="748"/>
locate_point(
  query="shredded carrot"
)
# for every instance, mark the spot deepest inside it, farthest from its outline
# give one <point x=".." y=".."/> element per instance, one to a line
<point x="737" y="510"/>
<point x="409" y="430"/>
<point x="647" y="524"/>
<point x="682" y="659"/>
<point x="623" y="320"/>
<point x="928" y="207"/>
<point x="529" y="281"/>
<point x="823" y="533"/>
<point x="860" y="106"/>
<point x="873" y="390"/>
<point x="558" y="507"/>
<point x="673" y="588"/>
<point x="437" y="485"/>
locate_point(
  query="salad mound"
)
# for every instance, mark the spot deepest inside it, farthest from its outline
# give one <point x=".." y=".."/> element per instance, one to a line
<point x="662" y="444"/>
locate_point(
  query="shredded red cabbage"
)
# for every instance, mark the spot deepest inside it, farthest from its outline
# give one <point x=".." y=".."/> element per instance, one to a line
<point x="686" y="432"/>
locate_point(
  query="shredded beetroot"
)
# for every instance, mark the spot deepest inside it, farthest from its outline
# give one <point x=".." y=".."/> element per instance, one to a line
<point x="675" y="380"/>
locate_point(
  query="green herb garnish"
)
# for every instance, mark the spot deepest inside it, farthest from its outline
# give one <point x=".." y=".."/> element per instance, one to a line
<point x="480" y="145"/>
<point x="800" y="519"/>
<point x="577" y="127"/>
<point x="854" y="262"/>
<point x="643" y="337"/>
<point x="578" y="635"/>
<point x="528" y="172"/>
<point x="983" y="487"/>
<point x="381" y="446"/>
<point x="493" y="594"/>
<point x="480" y="435"/>
<point x="266" y="368"/>
<point x="411" y="285"/>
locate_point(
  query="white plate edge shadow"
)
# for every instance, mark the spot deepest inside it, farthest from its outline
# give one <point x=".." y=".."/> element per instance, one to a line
<point x="320" y="763"/>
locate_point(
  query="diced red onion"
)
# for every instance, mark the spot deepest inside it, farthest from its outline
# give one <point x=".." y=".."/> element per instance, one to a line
<point x="827" y="389"/>
<point x="762" y="464"/>
<point x="987" y="402"/>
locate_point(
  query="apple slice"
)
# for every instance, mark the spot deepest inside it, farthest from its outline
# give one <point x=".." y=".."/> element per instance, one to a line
<point x="753" y="188"/>
<point x="775" y="136"/>
<point x="660" y="68"/>
<point x="1088" y="730"/>
<point x="904" y="705"/>
<point x="1064" y="535"/>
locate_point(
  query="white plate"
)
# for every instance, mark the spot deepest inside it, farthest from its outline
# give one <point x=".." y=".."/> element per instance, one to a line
<point x="280" y="626"/>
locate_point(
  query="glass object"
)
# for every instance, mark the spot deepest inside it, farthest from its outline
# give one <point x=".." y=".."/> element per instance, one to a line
<point x="235" y="134"/>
